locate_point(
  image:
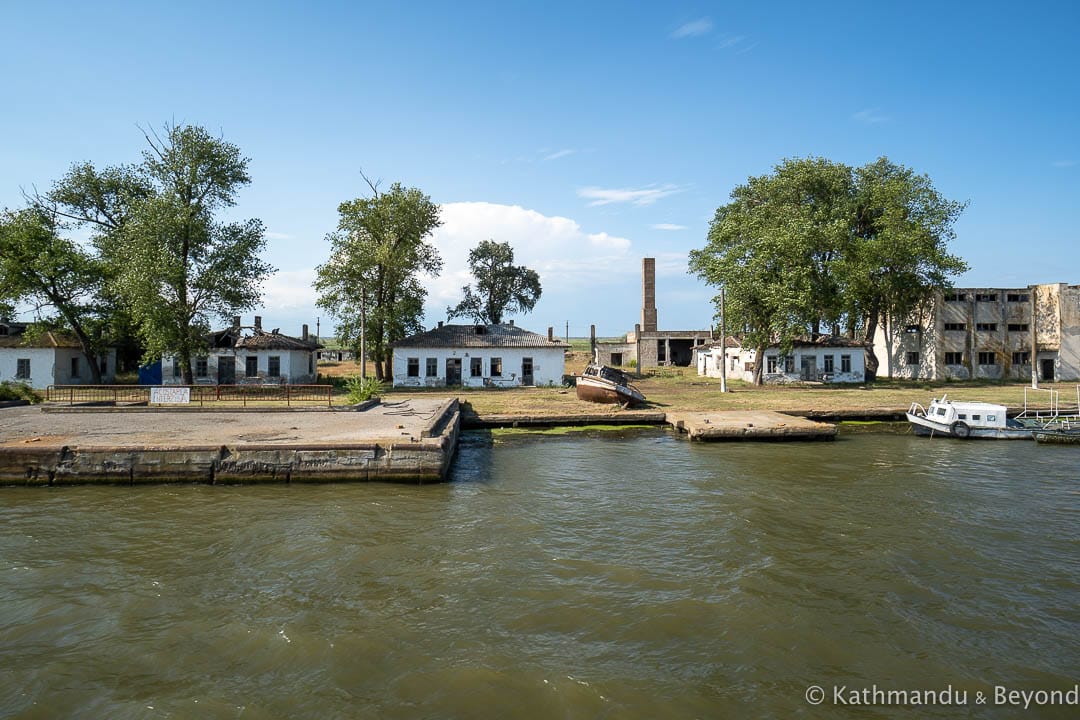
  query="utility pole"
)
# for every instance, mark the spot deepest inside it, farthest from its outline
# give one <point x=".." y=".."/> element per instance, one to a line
<point x="567" y="332"/>
<point x="723" y="344"/>
<point x="318" y="334"/>
<point x="363" y="334"/>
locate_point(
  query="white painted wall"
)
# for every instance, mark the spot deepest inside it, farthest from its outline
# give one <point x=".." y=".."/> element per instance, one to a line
<point x="549" y="365"/>
<point x="740" y="358"/>
<point x="294" y="366"/>
<point x="52" y="366"/>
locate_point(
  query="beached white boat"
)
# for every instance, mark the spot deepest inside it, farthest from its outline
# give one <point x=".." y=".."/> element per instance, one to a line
<point x="946" y="418"/>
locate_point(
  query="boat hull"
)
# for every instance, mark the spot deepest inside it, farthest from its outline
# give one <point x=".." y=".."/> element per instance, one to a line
<point x="598" y="391"/>
<point x="1057" y="437"/>
<point x="928" y="428"/>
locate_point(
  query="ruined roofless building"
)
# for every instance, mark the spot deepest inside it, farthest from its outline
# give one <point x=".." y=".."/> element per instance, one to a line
<point x="1030" y="333"/>
<point x="647" y="345"/>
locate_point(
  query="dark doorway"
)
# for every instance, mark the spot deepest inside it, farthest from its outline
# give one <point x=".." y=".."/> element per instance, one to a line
<point x="226" y="371"/>
<point x="616" y="359"/>
<point x="808" y="371"/>
<point x="453" y="371"/>
<point x="1047" y="367"/>
<point x="682" y="352"/>
<point x="526" y="371"/>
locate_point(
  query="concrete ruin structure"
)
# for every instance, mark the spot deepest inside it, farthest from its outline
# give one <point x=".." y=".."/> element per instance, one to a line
<point x="1030" y="333"/>
<point x="647" y="345"/>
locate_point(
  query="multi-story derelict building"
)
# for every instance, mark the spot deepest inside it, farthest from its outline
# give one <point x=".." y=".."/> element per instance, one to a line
<point x="998" y="333"/>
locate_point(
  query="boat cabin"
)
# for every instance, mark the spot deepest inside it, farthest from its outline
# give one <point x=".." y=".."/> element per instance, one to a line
<point x="973" y="414"/>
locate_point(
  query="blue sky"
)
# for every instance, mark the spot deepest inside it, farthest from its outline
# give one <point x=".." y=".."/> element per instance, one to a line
<point x="588" y="135"/>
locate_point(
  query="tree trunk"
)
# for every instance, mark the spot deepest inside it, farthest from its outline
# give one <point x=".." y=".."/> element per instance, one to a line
<point x="759" y="364"/>
<point x="871" y="358"/>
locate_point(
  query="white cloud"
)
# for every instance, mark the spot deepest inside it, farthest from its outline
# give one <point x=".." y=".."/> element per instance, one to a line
<point x="870" y="116"/>
<point x="559" y="154"/>
<point x="667" y="226"/>
<point x="638" y="196"/>
<point x="287" y="290"/>
<point x="701" y="26"/>
<point x="558" y="248"/>
<point x="277" y="236"/>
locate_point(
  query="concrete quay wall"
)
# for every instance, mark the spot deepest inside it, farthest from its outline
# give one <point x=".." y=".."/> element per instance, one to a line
<point x="413" y="459"/>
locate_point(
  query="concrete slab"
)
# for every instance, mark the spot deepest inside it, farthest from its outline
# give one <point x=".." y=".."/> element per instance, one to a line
<point x="749" y="425"/>
<point x="412" y="440"/>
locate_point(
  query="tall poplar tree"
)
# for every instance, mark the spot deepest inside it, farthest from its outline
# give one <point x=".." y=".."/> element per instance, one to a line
<point x="372" y="281"/>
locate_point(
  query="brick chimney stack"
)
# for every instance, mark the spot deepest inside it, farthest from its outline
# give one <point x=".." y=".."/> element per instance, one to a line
<point x="551" y="334"/>
<point x="258" y="323"/>
<point x="305" y="335"/>
<point x="648" y="294"/>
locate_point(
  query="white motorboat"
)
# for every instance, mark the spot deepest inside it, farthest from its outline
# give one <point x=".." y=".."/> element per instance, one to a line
<point x="947" y="418"/>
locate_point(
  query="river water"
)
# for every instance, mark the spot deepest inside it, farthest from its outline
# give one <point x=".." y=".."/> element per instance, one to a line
<point x="618" y="577"/>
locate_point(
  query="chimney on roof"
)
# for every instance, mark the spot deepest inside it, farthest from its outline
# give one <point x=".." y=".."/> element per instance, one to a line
<point x="258" y="323"/>
<point x="511" y="323"/>
<point x="440" y="323"/>
<point x="236" y="322"/>
<point x="551" y="334"/>
<point x="305" y="334"/>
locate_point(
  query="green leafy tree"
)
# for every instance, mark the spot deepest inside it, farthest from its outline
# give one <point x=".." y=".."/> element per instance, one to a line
<point x="899" y="257"/>
<point x="818" y="242"/>
<point x="372" y="281"/>
<point x="169" y="261"/>
<point x="39" y="267"/>
<point x="501" y="286"/>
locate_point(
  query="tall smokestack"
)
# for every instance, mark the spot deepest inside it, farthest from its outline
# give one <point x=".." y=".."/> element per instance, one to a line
<point x="648" y="294"/>
<point x="305" y="333"/>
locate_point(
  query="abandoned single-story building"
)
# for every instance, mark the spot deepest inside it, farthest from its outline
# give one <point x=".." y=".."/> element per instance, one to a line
<point x="825" y="359"/>
<point x="50" y="358"/>
<point x="255" y="357"/>
<point x="479" y="356"/>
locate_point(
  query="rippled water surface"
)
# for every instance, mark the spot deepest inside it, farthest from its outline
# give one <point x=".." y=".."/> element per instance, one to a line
<point x="636" y="577"/>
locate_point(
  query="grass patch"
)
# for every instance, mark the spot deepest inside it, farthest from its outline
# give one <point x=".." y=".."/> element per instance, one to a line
<point x="562" y="430"/>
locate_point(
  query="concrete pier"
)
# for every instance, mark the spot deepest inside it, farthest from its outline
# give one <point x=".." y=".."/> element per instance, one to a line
<point x="411" y="441"/>
<point x="749" y="425"/>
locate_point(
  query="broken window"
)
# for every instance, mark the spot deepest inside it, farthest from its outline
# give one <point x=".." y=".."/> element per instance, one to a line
<point x="412" y="367"/>
<point x="1021" y="358"/>
<point x="770" y="363"/>
<point x="496" y="367"/>
<point x="1018" y="327"/>
<point x="476" y="367"/>
<point x="1017" y="297"/>
<point x="251" y="366"/>
<point x="22" y="369"/>
<point x="986" y="327"/>
<point x="845" y="363"/>
<point x="955" y="326"/>
<point x="913" y="358"/>
<point x="432" y="369"/>
<point x="955" y="297"/>
<point x="616" y="358"/>
<point x="986" y="297"/>
<point x="954" y="358"/>
<point x="988" y="358"/>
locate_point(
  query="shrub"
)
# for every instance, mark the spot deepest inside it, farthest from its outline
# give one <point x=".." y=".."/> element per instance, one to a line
<point x="19" y="391"/>
<point x="358" y="389"/>
<point x="632" y="363"/>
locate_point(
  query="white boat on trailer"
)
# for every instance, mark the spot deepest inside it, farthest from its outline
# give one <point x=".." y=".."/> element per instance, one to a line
<point x="966" y="420"/>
